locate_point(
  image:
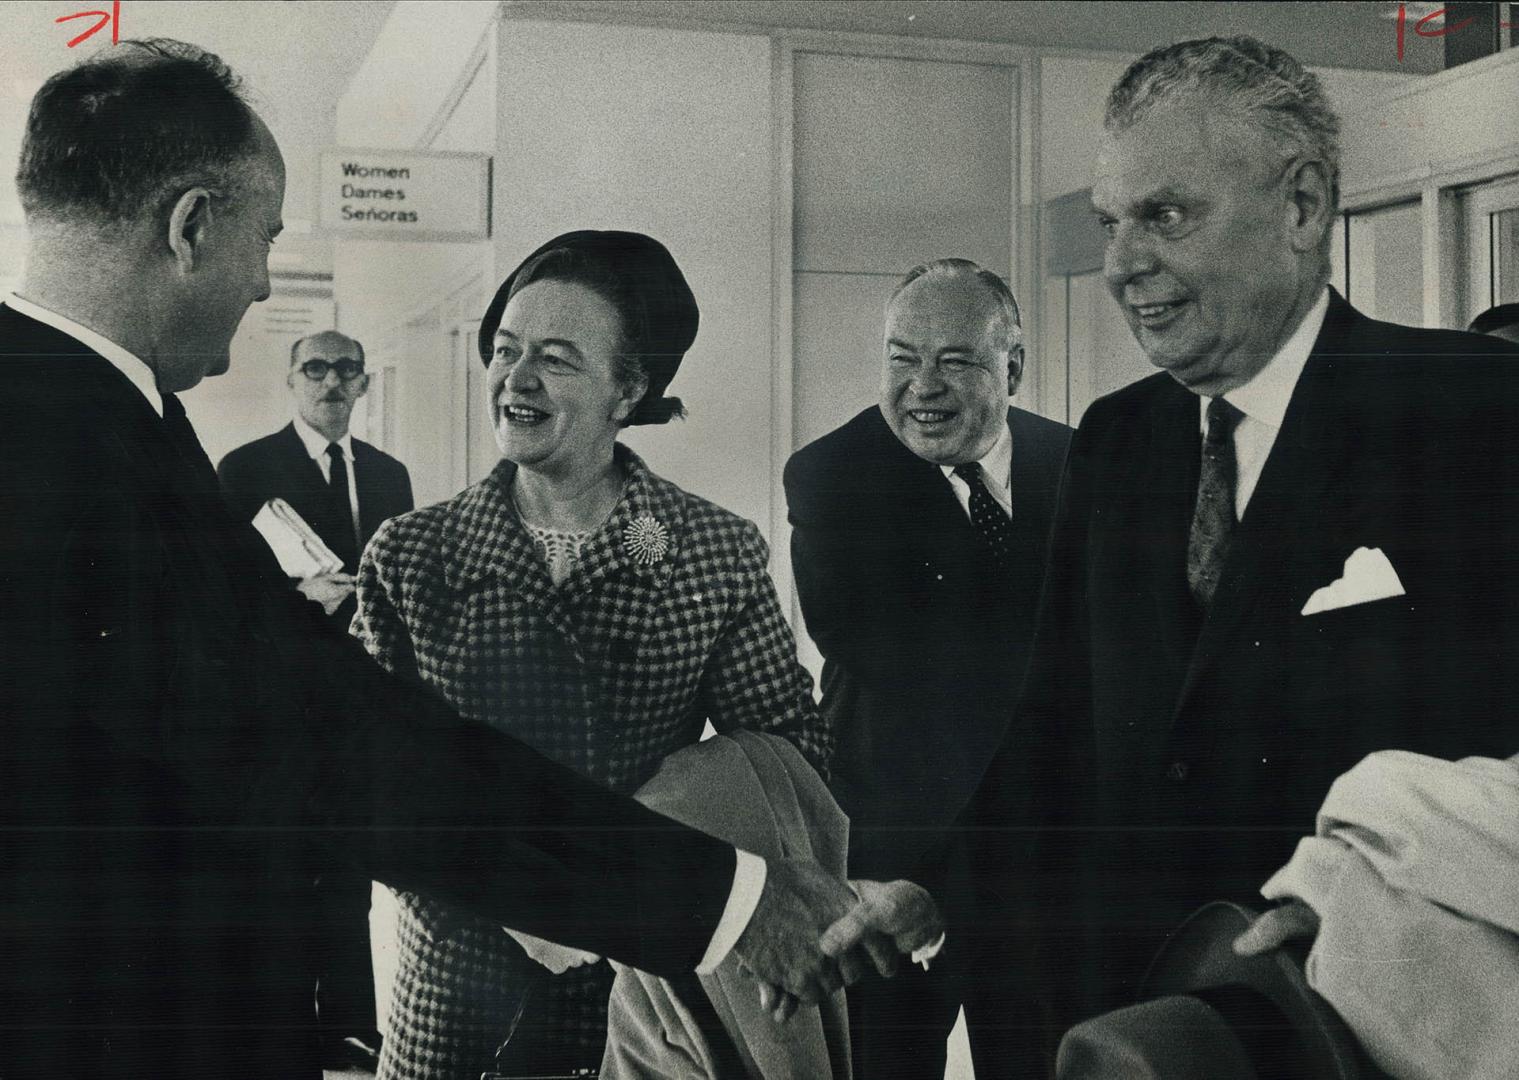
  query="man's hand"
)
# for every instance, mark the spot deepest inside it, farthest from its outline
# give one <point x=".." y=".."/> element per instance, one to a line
<point x="891" y="918"/>
<point x="1278" y="926"/>
<point x="779" y="947"/>
<point x="329" y="590"/>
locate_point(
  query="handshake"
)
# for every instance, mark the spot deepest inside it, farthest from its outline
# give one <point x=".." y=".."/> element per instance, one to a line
<point x="811" y="933"/>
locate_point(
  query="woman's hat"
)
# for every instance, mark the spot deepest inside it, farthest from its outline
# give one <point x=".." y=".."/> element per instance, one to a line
<point x="637" y="275"/>
<point x="1205" y="1011"/>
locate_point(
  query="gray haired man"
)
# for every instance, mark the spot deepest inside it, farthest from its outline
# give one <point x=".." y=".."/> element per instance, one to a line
<point x="919" y="546"/>
<point x="1292" y="546"/>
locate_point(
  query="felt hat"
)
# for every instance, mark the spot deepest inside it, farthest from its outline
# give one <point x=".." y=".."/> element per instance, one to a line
<point x="637" y="275"/>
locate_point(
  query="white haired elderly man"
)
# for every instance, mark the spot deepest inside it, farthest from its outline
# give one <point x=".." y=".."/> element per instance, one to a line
<point x="1291" y="547"/>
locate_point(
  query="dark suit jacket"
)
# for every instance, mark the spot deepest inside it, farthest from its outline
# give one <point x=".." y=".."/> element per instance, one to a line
<point x="923" y="650"/>
<point x="181" y="729"/>
<point x="277" y="466"/>
<point x="1171" y="758"/>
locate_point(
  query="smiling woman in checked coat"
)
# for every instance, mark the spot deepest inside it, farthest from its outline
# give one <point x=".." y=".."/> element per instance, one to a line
<point x="581" y="603"/>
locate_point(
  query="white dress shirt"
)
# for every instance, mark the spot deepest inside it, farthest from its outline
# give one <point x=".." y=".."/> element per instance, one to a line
<point x="748" y="875"/>
<point x="316" y="445"/>
<point x="130" y="365"/>
<point x="1264" y="401"/>
<point x="996" y="470"/>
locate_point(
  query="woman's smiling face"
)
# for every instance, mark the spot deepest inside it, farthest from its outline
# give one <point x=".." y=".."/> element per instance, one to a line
<point x="555" y="402"/>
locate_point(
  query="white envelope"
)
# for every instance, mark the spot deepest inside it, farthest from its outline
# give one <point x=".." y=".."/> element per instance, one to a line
<point x="1367" y="576"/>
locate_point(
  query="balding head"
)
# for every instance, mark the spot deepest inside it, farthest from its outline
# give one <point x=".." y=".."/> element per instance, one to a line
<point x="953" y="356"/>
<point x="122" y="135"/>
<point x="152" y="193"/>
<point x="326" y="379"/>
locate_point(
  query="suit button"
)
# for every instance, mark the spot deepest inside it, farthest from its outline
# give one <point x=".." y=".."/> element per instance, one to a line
<point x="1177" y="771"/>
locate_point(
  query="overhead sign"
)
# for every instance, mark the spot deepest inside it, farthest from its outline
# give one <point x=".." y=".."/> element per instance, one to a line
<point x="406" y="194"/>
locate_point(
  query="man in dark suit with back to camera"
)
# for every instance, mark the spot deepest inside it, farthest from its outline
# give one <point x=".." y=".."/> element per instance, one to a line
<point x="183" y="730"/>
<point x="1292" y="546"/>
<point x="920" y="531"/>
<point x="344" y="489"/>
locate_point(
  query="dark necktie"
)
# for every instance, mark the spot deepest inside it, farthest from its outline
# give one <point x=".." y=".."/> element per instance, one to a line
<point x="1213" y="518"/>
<point x="989" y="519"/>
<point x="337" y="480"/>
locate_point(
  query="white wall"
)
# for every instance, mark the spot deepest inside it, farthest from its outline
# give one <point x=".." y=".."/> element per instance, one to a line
<point x="666" y="132"/>
<point x="1073" y="91"/>
<point x="406" y="77"/>
<point x="1462" y="118"/>
<point x="402" y="299"/>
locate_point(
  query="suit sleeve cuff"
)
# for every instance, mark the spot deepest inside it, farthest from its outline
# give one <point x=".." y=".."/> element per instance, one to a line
<point x="748" y="883"/>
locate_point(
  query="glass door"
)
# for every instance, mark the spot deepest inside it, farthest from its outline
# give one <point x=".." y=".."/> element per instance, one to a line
<point x="1384" y="263"/>
<point x="1491" y="214"/>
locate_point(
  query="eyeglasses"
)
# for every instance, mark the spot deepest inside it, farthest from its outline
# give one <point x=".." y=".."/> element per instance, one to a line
<point x="348" y="370"/>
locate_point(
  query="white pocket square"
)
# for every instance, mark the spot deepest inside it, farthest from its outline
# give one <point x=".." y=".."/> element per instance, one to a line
<point x="1367" y="576"/>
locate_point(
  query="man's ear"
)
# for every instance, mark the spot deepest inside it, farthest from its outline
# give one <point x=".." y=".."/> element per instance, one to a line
<point x="189" y="223"/>
<point x="1311" y="187"/>
<point x="1015" y="358"/>
<point x="363" y="389"/>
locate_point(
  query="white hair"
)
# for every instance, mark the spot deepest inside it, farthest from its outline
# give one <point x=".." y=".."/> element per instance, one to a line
<point x="1242" y="77"/>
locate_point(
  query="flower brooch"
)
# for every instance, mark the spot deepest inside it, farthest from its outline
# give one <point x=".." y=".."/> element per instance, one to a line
<point x="646" y="540"/>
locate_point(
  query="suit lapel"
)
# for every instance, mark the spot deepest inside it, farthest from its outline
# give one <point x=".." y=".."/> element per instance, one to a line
<point x="1033" y="497"/>
<point x="1286" y="537"/>
<point x="310" y="494"/>
<point x="364" y="484"/>
<point x="300" y="464"/>
<point x="1169" y="489"/>
<point x="490" y="543"/>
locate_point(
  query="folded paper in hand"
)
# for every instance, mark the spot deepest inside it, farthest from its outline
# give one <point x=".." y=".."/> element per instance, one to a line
<point x="298" y="548"/>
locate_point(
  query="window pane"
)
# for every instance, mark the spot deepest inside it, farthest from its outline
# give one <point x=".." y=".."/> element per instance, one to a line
<point x="1506" y="257"/>
<point x="1386" y="272"/>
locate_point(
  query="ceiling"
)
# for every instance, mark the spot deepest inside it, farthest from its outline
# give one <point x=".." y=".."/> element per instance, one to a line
<point x="1343" y="34"/>
<point x="298" y="56"/>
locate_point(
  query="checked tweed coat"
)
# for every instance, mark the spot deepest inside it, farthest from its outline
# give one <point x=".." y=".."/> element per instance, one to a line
<point x="607" y="673"/>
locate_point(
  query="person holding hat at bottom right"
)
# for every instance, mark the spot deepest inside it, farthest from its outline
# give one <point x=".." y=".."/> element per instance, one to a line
<point x="1206" y="1012"/>
<point x="580" y="603"/>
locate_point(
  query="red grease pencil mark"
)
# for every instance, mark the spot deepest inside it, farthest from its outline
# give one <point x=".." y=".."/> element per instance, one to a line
<point x="113" y="17"/>
<point x="1419" y="27"/>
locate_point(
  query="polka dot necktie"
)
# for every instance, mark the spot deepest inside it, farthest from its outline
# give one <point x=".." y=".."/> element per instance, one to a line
<point x="989" y="519"/>
<point x="1213" y="518"/>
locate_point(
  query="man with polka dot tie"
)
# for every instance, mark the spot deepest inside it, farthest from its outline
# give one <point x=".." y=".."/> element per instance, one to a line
<point x="919" y="548"/>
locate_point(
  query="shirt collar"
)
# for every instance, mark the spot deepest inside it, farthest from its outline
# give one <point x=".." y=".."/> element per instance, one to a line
<point x="998" y="462"/>
<point x="1265" y="397"/>
<point x="129" y="364"/>
<point x="316" y="443"/>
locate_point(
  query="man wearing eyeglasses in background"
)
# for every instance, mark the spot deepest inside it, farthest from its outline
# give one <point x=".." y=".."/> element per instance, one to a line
<point x="344" y="489"/>
<point x="344" y="506"/>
